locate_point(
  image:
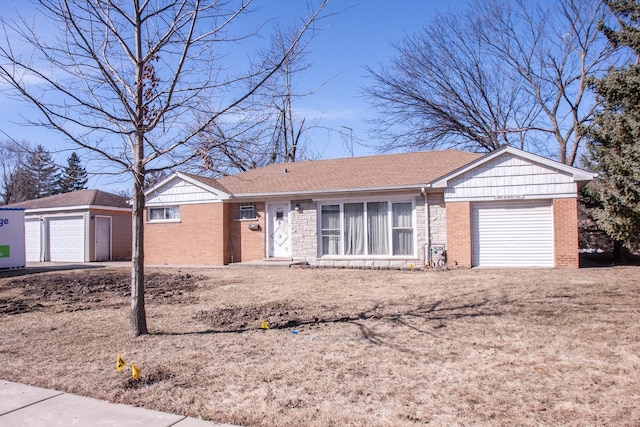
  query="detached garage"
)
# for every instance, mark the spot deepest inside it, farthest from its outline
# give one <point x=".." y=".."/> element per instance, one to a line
<point x="81" y="226"/>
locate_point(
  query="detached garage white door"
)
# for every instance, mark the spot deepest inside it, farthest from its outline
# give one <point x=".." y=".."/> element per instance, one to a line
<point x="512" y="234"/>
<point x="66" y="239"/>
<point x="32" y="239"/>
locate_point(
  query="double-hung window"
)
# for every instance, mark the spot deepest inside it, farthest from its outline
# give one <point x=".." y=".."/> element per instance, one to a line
<point x="330" y="224"/>
<point x="377" y="228"/>
<point x="164" y="214"/>
<point x="402" y="228"/>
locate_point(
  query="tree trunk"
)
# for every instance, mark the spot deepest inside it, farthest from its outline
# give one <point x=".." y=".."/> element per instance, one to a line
<point x="619" y="253"/>
<point x="138" y="314"/>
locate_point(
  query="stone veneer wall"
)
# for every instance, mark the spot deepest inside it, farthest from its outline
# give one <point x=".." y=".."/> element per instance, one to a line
<point x="304" y="231"/>
<point x="421" y="238"/>
<point x="437" y="219"/>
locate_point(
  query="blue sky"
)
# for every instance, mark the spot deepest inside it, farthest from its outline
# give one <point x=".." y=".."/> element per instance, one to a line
<point x="360" y="35"/>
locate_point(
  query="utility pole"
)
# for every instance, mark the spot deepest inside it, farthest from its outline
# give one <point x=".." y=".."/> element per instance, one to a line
<point x="351" y="132"/>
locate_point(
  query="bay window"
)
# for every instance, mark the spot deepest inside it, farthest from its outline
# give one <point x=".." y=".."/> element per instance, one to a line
<point x="382" y="228"/>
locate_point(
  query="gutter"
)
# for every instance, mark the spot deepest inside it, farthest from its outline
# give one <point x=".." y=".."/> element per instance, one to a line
<point x="293" y="194"/>
<point x="76" y="208"/>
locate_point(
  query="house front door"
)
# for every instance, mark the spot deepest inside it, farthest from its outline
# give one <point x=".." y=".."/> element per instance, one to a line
<point x="279" y="231"/>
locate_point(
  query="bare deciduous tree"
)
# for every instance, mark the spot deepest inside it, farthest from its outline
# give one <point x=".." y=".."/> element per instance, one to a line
<point x="269" y="130"/>
<point x="503" y="73"/>
<point x="126" y="80"/>
<point x="12" y="161"/>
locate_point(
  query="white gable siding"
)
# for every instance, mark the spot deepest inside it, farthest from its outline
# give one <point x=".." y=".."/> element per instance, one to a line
<point x="510" y="177"/>
<point x="177" y="192"/>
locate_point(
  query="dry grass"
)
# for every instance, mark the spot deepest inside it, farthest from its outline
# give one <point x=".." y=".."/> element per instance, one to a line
<point x="373" y="348"/>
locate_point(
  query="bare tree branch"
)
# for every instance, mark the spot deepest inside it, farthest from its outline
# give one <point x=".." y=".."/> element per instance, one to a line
<point x="127" y="81"/>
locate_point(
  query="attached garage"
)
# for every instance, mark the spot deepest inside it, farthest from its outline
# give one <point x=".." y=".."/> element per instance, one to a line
<point x="511" y="208"/>
<point x="81" y="226"/>
<point x="512" y="234"/>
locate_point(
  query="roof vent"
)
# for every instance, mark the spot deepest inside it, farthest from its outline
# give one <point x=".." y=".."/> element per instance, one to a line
<point x="284" y="170"/>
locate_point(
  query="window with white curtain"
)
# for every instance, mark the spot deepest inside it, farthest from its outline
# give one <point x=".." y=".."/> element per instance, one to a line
<point x="164" y="214"/>
<point x="402" y="228"/>
<point x="380" y="228"/>
<point x="353" y="228"/>
<point x="330" y="225"/>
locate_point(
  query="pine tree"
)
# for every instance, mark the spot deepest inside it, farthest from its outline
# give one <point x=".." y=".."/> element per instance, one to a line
<point x="73" y="176"/>
<point x="614" y="148"/>
<point x="43" y="172"/>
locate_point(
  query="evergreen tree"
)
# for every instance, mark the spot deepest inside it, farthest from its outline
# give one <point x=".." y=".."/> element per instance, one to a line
<point x="43" y="172"/>
<point x="614" y="148"/>
<point x="21" y="185"/>
<point x="73" y="176"/>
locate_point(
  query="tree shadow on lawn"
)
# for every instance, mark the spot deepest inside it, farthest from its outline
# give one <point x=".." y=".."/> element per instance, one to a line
<point x="423" y="318"/>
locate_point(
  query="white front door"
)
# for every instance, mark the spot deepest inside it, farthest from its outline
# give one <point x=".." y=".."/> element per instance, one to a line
<point x="279" y="231"/>
<point x="103" y="238"/>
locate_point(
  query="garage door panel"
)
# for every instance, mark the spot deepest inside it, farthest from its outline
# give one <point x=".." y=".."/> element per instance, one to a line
<point x="32" y="239"/>
<point x="512" y="234"/>
<point x="66" y="239"/>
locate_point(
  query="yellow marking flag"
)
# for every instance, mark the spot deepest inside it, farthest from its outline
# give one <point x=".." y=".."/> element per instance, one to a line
<point x="121" y="363"/>
<point x="135" y="371"/>
<point x="264" y="325"/>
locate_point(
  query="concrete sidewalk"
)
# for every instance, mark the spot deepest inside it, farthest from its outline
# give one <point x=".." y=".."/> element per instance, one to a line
<point x="23" y="405"/>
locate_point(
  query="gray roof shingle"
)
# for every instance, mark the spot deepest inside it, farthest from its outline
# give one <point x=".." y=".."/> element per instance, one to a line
<point x="76" y="198"/>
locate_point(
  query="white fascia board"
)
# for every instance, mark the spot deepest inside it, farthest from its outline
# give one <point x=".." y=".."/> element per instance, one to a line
<point x="323" y="193"/>
<point x="76" y="208"/>
<point x="578" y="175"/>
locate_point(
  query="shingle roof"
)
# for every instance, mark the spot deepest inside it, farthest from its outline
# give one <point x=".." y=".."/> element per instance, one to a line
<point x="76" y="198"/>
<point x="370" y="172"/>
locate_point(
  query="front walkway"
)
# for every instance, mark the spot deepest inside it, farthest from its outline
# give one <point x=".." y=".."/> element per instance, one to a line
<point x="24" y="405"/>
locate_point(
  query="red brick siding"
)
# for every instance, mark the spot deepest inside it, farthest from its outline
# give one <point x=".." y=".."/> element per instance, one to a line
<point x="197" y="239"/>
<point x="459" y="234"/>
<point x="565" y="225"/>
<point x="242" y="243"/>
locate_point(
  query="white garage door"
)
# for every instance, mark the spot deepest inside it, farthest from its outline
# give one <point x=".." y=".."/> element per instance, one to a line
<point x="66" y="239"/>
<point x="32" y="239"/>
<point x="512" y="234"/>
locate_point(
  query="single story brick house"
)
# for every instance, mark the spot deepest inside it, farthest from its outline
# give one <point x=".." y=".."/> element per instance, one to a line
<point x="505" y="208"/>
<point x="79" y="226"/>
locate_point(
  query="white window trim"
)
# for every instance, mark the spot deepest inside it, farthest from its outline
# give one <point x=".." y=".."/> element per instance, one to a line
<point x="163" y="221"/>
<point x="365" y="200"/>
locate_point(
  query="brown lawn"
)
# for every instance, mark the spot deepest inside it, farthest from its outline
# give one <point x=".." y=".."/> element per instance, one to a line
<point x="372" y="348"/>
